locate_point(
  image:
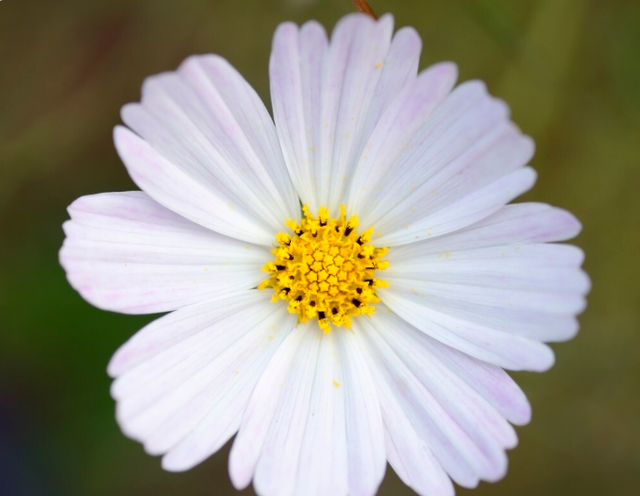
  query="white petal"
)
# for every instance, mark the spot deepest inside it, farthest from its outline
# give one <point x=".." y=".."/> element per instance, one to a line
<point x="490" y="381"/>
<point x="313" y="425"/>
<point x="287" y="365"/>
<point x="506" y="350"/>
<point x="431" y="423"/>
<point x="328" y="97"/>
<point x="297" y="61"/>
<point x="537" y="276"/>
<point x="280" y="426"/>
<point x="188" y="196"/>
<point x="444" y="171"/>
<point x="406" y="115"/>
<point x="323" y="467"/>
<point x="424" y="399"/>
<point x="515" y="224"/>
<point x="210" y="145"/>
<point x="485" y="278"/>
<point x="365" y="434"/>
<point x="224" y="419"/>
<point x="408" y="455"/>
<point x="463" y="212"/>
<point x="125" y="252"/>
<point x="422" y="355"/>
<point x="184" y="380"/>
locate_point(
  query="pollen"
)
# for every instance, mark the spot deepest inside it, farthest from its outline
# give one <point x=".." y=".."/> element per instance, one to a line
<point x="325" y="269"/>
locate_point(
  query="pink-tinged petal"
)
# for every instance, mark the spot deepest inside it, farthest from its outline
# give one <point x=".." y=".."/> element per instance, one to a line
<point x="407" y="454"/>
<point x="515" y="225"/>
<point x="182" y="382"/>
<point x="124" y="252"/>
<point x="365" y="431"/>
<point x="284" y="466"/>
<point x="313" y="425"/>
<point x="493" y="278"/>
<point x="328" y="97"/>
<point x="490" y="381"/>
<point x="138" y="355"/>
<point x="507" y="350"/>
<point x="439" y="175"/>
<point x="409" y="112"/>
<point x="212" y="145"/>
<point x="186" y="195"/>
<point x="430" y="409"/>
<point x="463" y="212"/>
<point x="482" y="422"/>
<point x="322" y="466"/>
<point x="429" y="420"/>
<point x="285" y="367"/>
<point x="297" y="63"/>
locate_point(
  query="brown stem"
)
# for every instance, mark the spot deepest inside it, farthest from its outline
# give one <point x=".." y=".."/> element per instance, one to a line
<point x="363" y="6"/>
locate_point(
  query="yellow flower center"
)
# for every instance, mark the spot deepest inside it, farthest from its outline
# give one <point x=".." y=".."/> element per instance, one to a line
<point x="326" y="269"/>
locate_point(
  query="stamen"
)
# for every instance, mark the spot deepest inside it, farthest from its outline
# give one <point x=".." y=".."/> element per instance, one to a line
<point x="325" y="270"/>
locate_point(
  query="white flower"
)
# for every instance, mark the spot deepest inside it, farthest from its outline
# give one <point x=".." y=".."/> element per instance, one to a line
<point x="468" y="287"/>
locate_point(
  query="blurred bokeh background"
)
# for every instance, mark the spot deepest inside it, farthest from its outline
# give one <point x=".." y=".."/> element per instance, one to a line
<point x="570" y="69"/>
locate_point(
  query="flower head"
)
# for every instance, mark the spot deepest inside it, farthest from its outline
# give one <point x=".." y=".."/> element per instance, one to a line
<point x="373" y="323"/>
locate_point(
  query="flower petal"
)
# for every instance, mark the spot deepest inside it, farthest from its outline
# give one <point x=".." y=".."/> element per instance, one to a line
<point x="490" y="381"/>
<point x="494" y="289"/>
<point x="408" y="113"/>
<point x="287" y="364"/>
<point x="506" y="350"/>
<point x="313" y="425"/>
<point x="327" y="97"/>
<point x="365" y="433"/>
<point x="455" y="165"/>
<point x="125" y="252"/>
<point x="423" y="399"/>
<point x="211" y="150"/>
<point x="515" y="224"/>
<point x="463" y="212"/>
<point x="408" y="455"/>
<point x="184" y="380"/>
<point x="189" y="197"/>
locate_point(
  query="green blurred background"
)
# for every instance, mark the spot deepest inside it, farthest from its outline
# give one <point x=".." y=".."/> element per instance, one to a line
<point x="570" y="70"/>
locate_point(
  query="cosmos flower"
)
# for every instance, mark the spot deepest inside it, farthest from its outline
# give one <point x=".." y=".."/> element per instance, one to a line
<point x="345" y="286"/>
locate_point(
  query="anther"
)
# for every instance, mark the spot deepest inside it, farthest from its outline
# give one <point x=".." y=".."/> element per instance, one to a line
<point x="283" y="239"/>
<point x="325" y="269"/>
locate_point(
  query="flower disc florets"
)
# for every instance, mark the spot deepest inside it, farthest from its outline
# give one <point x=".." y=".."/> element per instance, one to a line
<point x="326" y="269"/>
